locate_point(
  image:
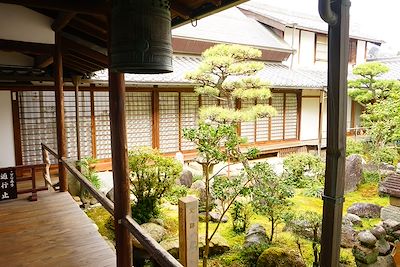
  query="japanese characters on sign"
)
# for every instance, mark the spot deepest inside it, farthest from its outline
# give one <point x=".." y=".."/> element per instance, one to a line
<point x="8" y="184"/>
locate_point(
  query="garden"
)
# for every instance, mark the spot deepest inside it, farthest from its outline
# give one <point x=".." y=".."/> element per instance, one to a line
<point x="255" y="211"/>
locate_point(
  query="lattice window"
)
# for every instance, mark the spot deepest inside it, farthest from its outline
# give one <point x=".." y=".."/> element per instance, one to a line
<point x="70" y="124"/>
<point x="169" y="121"/>
<point x="247" y="129"/>
<point x="102" y="123"/>
<point x="277" y="120"/>
<point x="262" y="125"/>
<point x="37" y="115"/>
<point x="208" y="101"/>
<point x="189" y="116"/>
<point x="139" y="119"/>
<point x="291" y="116"/>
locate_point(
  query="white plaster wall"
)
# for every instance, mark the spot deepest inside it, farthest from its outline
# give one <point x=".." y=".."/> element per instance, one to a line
<point x="15" y="59"/>
<point x="309" y="118"/>
<point x="22" y="24"/>
<point x="325" y="118"/>
<point x="348" y="112"/>
<point x="307" y="47"/>
<point x="7" y="157"/>
<point x="288" y="33"/>
<point x="360" y="52"/>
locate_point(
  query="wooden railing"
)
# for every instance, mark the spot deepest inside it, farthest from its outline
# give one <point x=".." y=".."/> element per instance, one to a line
<point x="157" y="252"/>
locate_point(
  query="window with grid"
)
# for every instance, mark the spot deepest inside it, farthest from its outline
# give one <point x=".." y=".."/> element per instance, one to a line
<point x="169" y="121"/>
<point x="102" y="124"/>
<point x="139" y="119"/>
<point x="189" y="116"/>
<point x="291" y="116"/>
<point x="262" y="125"/>
<point x="208" y="101"/>
<point x="37" y="116"/>
<point x="321" y="48"/>
<point x="247" y="128"/>
<point x="277" y="102"/>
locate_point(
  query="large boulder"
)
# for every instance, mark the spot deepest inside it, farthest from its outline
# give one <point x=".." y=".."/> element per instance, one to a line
<point x="367" y="239"/>
<point x="218" y="245"/>
<point x="353" y="173"/>
<point x="348" y="238"/>
<point x="215" y="216"/>
<point x="186" y="178"/>
<point x="365" y="255"/>
<point x="279" y="257"/>
<point x="352" y="219"/>
<point x="157" y="232"/>
<point x="378" y="231"/>
<point x="256" y="235"/>
<point x="365" y="210"/>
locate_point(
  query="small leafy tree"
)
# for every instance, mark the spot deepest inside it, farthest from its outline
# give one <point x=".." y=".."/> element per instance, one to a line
<point x="307" y="225"/>
<point x="271" y="195"/>
<point x="241" y="213"/>
<point x="151" y="176"/>
<point x="87" y="167"/>
<point x="302" y="169"/>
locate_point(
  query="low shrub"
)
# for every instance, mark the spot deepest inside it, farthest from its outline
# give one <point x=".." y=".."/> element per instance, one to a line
<point x="371" y="177"/>
<point x="314" y="189"/>
<point x="388" y="155"/>
<point x="354" y="147"/>
<point x="152" y="177"/>
<point x="87" y="169"/>
<point x="177" y="192"/>
<point x="249" y="255"/>
<point x="279" y="257"/>
<point x="241" y="212"/>
<point x="303" y="168"/>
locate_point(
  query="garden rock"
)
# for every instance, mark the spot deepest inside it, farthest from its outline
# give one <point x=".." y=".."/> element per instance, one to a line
<point x="157" y="221"/>
<point x="110" y="194"/>
<point x="353" y="173"/>
<point x="391" y="225"/>
<point x="348" y="237"/>
<point x="367" y="239"/>
<point x="398" y="168"/>
<point x="186" y="178"/>
<point x="256" y="235"/>
<point x="172" y="246"/>
<point x="383" y="261"/>
<point x="200" y="188"/>
<point x="365" y="210"/>
<point x="383" y="247"/>
<point x="378" y="231"/>
<point x="157" y="232"/>
<point x="279" y="257"/>
<point x="215" y="216"/>
<point x="354" y="219"/>
<point x="302" y="228"/>
<point x="218" y="245"/>
<point x="365" y="255"/>
<point x="198" y="185"/>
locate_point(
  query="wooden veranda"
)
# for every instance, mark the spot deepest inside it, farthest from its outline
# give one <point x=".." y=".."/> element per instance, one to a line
<point x="52" y="231"/>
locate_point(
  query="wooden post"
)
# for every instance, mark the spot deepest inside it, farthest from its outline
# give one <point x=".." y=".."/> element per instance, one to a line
<point x="188" y="231"/>
<point x="46" y="172"/>
<point x="59" y="91"/>
<point x="34" y="191"/>
<point x="338" y="45"/>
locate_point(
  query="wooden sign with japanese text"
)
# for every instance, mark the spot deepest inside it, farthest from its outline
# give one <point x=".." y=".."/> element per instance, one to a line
<point x="8" y="184"/>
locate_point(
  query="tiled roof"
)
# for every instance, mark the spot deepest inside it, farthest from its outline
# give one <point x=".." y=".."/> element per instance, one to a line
<point x="232" y="26"/>
<point x="394" y="68"/>
<point x="288" y="17"/>
<point x="277" y="74"/>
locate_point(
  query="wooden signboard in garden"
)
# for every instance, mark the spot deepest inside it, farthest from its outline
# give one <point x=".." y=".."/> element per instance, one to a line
<point x="8" y="184"/>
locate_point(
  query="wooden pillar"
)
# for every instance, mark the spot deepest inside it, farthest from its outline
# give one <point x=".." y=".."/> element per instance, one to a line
<point x="338" y="45"/>
<point x="59" y="91"/>
<point x="120" y="168"/>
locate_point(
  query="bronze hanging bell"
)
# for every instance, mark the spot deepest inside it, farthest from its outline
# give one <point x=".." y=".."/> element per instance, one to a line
<point x="141" y="36"/>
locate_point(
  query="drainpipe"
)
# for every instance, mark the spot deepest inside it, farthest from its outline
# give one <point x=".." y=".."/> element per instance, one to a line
<point x="293" y="31"/>
<point x="336" y="14"/>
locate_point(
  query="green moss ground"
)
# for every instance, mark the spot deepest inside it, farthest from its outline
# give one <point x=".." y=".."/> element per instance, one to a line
<point x="365" y="193"/>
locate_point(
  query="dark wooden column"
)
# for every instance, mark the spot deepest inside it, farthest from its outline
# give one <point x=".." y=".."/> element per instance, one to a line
<point x="120" y="168"/>
<point x="338" y="44"/>
<point x="59" y="91"/>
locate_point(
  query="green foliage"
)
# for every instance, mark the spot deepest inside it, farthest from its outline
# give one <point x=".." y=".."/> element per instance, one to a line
<point x="104" y="220"/>
<point x="371" y="177"/>
<point x="88" y="170"/>
<point x="152" y="176"/>
<point x="270" y="194"/>
<point x="241" y="213"/>
<point x="176" y="192"/>
<point x="249" y="255"/>
<point x="227" y="73"/>
<point x="385" y="154"/>
<point x="279" y="257"/>
<point x="303" y="169"/>
<point x="314" y="189"/>
<point x="354" y="147"/>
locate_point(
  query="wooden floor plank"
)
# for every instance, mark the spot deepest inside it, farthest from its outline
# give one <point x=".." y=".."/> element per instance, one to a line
<point x="53" y="231"/>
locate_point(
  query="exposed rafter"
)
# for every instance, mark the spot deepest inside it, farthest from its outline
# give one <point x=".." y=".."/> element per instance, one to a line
<point x="26" y="47"/>
<point x="62" y="20"/>
<point x="84" y="50"/>
<point x="43" y="61"/>
<point x="89" y="29"/>
<point x="181" y="10"/>
<point x="86" y="7"/>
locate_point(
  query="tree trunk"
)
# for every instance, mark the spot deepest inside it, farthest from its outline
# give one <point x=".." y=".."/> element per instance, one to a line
<point x="206" y="171"/>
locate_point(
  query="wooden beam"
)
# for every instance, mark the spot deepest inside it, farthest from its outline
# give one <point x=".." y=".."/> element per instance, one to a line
<point x="43" y="61"/>
<point x="26" y="47"/>
<point x="84" y="50"/>
<point x="182" y="11"/>
<point x="85" y="62"/>
<point x="62" y="20"/>
<point x="216" y="2"/>
<point x="77" y="67"/>
<point x="60" y="120"/>
<point x="86" y="7"/>
<point x="89" y="29"/>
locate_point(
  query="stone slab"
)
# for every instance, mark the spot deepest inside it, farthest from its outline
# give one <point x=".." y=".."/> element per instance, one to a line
<point x="390" y="212"/>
